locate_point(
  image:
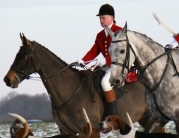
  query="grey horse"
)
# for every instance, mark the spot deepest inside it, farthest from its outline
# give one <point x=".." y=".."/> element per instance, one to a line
<point x="158" y="68"/>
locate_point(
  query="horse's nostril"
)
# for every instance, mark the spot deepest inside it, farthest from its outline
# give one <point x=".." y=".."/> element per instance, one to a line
<point x="117" y="81"/>
<point x="7" y="81"/>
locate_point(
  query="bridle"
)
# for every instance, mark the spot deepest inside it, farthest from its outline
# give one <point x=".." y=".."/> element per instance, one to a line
<point x="21" y="70"/>
<point x="23" y="75"/>
<point x="124" y="65"/>
<point x="143" y="68"/>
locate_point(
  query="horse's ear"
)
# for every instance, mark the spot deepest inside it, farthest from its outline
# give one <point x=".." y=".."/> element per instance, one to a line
<point x="110" y="32"/>
<point x="124" y="30"/>
<point x="25" y="40"/>
<point x="22" y="38"/>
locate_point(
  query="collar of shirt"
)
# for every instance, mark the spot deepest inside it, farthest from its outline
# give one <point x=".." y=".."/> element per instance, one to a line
<point x="109" y="28"/>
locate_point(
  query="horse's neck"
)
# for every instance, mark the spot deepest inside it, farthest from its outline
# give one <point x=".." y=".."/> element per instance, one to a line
<point x="56" y="83"/>
<point x="50" y="64"/>
<point x="147" y="50"/>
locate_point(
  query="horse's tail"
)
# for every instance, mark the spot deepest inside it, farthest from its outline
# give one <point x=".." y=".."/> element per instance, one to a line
<point x="21" y="132"/>
<point x="88" y="127"/>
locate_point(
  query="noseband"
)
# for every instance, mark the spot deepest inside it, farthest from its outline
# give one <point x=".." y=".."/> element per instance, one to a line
<point x="127" y="57"/>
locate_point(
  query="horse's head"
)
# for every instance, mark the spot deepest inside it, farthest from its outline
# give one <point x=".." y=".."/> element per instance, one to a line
<point x="122" y="56"/>
<point x="22" y="66"/>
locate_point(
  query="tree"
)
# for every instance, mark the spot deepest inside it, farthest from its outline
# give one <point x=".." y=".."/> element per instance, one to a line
<point x="30" y="107"/>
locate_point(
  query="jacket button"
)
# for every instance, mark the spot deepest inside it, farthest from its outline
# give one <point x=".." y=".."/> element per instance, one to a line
<point x="105" y="41"/>
<point x="105" y="45"/>
<point x="106" y="53"/>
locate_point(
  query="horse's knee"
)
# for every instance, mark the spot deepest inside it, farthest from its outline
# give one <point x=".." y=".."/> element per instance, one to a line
<point x="61" y="131"/>
<point x="162" y="130"/>
<point x="154" y="128"/>
<point x="150" y="129"/>
<point x="177" y="121"/>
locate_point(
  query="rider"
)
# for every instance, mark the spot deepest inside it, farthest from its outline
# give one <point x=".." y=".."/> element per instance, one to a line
<point x="175" y="42"/>
<point x="103" y="40"/>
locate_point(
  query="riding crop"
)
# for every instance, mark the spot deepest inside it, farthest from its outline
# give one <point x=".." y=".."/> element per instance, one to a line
<point x="160" y="21"/>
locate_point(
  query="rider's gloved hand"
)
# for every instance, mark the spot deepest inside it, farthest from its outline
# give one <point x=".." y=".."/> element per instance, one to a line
<point x="81" y="62"/>
<point x="176" y="37"/>
<point x="102" y="62"/>
<point x="173" y="44"/>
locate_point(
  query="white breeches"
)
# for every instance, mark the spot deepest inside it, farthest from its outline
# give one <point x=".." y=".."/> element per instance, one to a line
<point x="105" y="80"/>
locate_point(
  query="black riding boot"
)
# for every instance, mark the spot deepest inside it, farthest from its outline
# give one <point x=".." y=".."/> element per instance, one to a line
<point x="111" y="101"/>
<point x="112" y="107"/>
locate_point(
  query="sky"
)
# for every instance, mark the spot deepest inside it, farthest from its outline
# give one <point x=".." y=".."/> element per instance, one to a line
<point x="68" y="28"/>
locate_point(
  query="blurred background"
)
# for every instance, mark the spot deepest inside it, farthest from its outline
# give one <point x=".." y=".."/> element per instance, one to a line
<point x="68" y="28"/>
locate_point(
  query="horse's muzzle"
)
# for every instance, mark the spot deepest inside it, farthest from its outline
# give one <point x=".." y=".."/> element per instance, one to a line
<point x="9" y="83"/>
<point x="115" y="82"/>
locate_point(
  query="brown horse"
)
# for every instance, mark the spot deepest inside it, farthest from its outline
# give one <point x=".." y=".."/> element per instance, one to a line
<point x="68" y="91"/>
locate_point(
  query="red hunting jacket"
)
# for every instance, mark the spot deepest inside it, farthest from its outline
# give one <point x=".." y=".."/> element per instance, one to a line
<point x="102" y="44"/>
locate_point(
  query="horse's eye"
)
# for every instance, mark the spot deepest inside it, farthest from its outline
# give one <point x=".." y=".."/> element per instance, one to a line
<point x="122" y="51"/>
<point x="22" y="54"/>
<point x="23" y="57"/>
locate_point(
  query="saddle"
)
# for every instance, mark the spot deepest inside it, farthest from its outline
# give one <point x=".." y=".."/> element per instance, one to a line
<point x="94" y="81"/>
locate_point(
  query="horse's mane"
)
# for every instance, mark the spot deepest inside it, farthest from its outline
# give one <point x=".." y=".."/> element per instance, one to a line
<point x="146" y="38"/>
<point x="55" y="56"/>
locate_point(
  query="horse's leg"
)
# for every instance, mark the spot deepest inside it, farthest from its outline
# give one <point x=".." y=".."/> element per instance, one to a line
<point x="152" y="126"/>
<point x="177" y="127"/>
<point x="154" y="122"/>
<point x="177" y="122"/>
<point x="155" y="125"/>
<point x="144" y="122"/>
<point x="95" y="133"/>
<point x="161" y="130"/>
<point x="61" y="131"/>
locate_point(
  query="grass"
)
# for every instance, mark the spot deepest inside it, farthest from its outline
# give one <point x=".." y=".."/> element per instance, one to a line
<point x="50" y="129"/>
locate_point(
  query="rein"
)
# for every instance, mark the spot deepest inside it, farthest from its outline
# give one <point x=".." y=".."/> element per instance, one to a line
<point x="57" y="109"/>
<point x="60" y="71"/>
<point x="143" y="68"/>
<point x="154" y="87"/>
<point x="168" y="53"/>
<point x="22" y="75"/>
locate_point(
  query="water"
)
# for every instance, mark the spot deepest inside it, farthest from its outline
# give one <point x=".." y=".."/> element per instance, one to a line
<point x="50" y="129"/>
